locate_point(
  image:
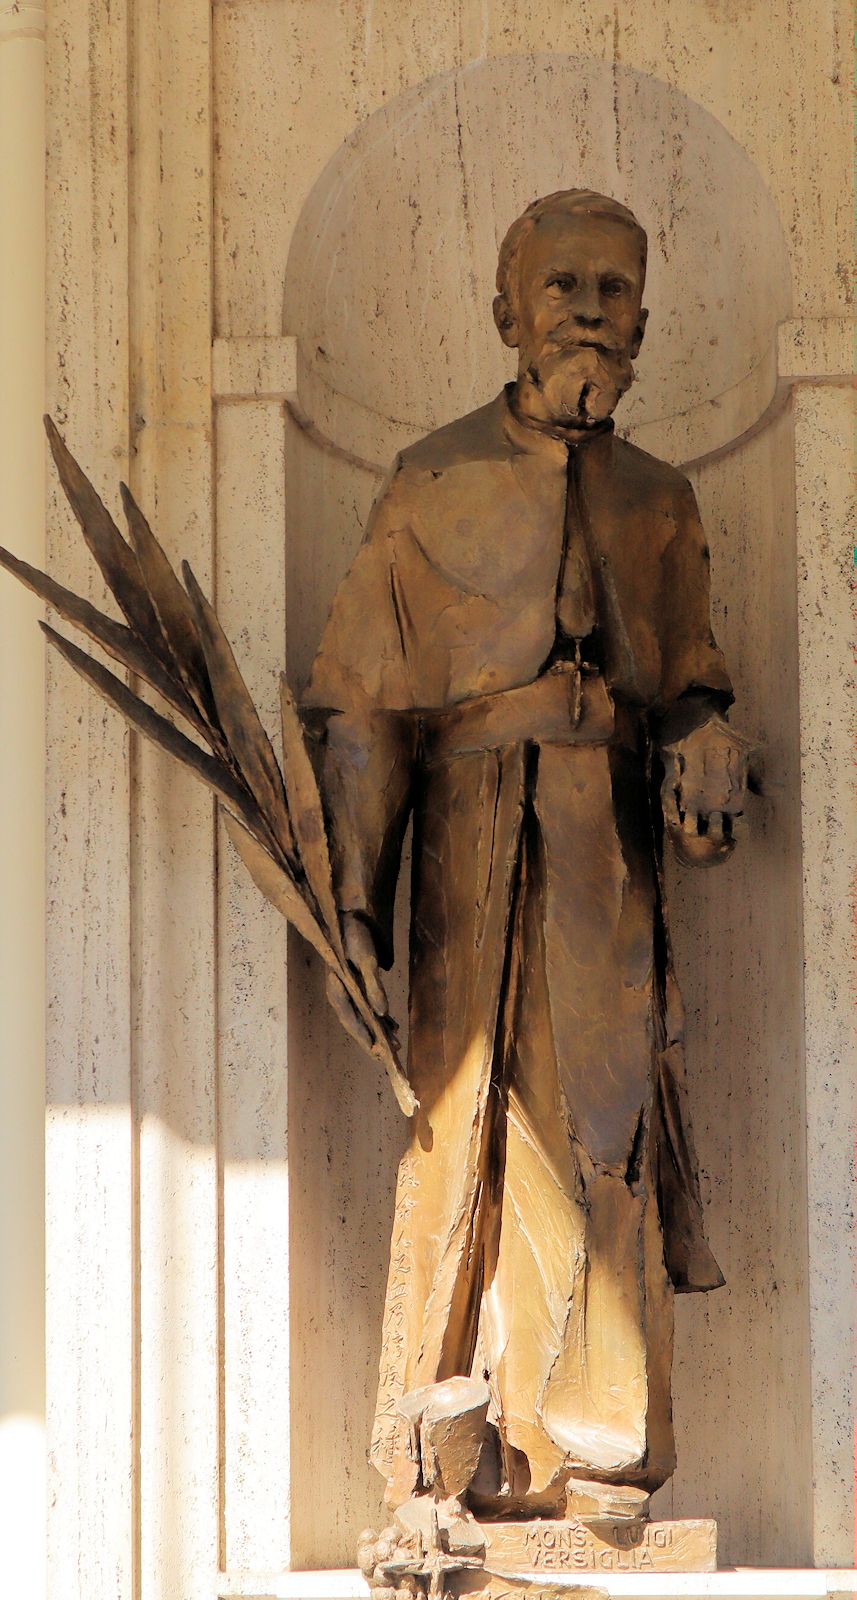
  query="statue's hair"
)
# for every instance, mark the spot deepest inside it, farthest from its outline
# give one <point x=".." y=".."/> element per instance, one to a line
<point x="586" y="202"/>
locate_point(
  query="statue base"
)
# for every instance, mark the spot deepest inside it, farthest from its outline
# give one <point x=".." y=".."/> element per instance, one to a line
<point x="541" y="1558"/>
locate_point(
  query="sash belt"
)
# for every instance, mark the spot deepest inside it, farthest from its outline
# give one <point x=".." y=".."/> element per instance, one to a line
<point x="561" y="707"/>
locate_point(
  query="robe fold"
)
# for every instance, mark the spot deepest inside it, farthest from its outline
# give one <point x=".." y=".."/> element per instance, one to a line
<point x="548" y="1202"/>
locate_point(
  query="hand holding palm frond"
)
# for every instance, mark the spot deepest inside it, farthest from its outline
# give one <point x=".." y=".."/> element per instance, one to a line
<point x="172" y="640"/>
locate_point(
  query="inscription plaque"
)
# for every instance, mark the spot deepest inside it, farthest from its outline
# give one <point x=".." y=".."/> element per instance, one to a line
<point x="608" y="1546"/>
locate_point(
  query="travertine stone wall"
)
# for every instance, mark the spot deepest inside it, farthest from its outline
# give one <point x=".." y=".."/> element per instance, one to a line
<point x="824" y="504"/>
<point x="221" y="1161"/>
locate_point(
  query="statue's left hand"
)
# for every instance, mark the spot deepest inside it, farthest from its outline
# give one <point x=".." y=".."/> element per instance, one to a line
<point x="704" y="790"/>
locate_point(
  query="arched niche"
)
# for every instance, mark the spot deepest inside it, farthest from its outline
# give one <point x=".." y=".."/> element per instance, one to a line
<point x="388" y="290"/>
<point x="390" y="273"/>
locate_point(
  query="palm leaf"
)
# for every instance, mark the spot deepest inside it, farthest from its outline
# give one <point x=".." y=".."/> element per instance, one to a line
<point x="306" y="815"/>
<point x="383" y="1052"/>
<point x="280" y="889"/>
<point x="116" y="559"/>
<point x="283" y="894"/>
<point x="239" y="719"/>
<point x="155" y="727"/>
<point x="114" y="637"/>
<point x="174" y="642"/>
<point x="174" y="610"/>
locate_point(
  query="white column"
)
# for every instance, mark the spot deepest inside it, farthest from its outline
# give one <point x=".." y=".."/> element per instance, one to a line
<point x="92" y="1300"/>
<point x="22" y="857"/>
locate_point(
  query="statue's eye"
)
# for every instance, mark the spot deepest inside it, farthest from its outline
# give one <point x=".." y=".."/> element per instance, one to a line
<point x="563" y="281"/>
<point x="613" y="287"/>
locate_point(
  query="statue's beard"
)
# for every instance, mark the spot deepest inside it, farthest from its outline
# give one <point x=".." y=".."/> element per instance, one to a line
<point x="580" y="385"/>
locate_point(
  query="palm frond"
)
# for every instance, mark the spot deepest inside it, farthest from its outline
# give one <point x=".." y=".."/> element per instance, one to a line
<point x="173" y="608"/>
<point x="278" y="888"/>
<point x="174" y="642"/>
<point x="240" y="721"/>
<point x="307" y="816"/>
<point x="158" y="729"/>
<point x="116" y="559"/>
<point x="114" y="637"/>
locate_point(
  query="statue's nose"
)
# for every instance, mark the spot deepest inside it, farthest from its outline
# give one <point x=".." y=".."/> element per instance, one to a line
<point x="585" y="306"/>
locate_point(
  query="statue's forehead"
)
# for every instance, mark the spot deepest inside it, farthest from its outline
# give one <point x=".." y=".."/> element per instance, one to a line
<point x="560" y="236"/>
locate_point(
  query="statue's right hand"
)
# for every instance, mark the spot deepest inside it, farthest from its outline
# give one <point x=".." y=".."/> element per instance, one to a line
<point x="363" y="957"/>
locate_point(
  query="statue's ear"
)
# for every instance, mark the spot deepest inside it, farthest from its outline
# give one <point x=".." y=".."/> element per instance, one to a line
<point x="639" y="333"/>
<point x="507" y="322"/>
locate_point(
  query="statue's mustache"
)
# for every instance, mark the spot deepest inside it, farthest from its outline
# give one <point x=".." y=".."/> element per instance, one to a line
<point x="598" y="362"/>
<point x="606" y="343"/>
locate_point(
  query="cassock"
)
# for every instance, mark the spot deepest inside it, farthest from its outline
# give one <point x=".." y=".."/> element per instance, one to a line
<point x="525" y="622"/>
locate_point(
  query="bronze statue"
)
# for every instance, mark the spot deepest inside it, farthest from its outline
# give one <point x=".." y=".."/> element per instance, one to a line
<point x="521" y="657"/>
<point x="521" y="660"/>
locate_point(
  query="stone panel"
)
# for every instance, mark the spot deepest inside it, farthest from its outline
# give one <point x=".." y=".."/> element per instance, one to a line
<point x="251" y="1009"/>
<point x="824" y="423"/>
<point x="741" y="1396"/>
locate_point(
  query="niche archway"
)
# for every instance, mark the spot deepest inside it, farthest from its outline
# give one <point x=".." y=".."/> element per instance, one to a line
<point x="390" y="273"/>
<point x="388" y="290"/>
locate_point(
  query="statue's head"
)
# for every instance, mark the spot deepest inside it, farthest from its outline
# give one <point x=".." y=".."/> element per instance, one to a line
<point x="570" y="282"/>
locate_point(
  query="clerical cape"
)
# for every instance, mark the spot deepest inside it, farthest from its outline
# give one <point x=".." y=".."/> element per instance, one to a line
<point x="547" y="1203"/>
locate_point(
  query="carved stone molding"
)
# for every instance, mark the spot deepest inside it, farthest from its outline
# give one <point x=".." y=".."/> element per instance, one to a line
<point x="20" y="20"/>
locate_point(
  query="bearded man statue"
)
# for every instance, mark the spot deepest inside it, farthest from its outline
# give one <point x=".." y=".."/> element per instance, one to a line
<point x="521" y="660"/>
